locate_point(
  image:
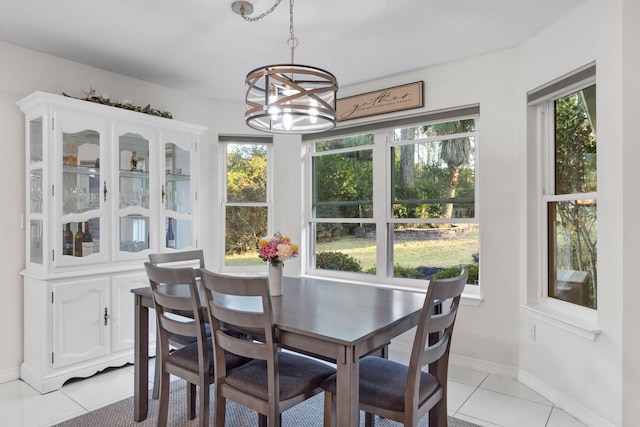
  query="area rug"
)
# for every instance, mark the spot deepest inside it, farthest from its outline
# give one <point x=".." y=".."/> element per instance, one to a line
<point x="306" y="414"/>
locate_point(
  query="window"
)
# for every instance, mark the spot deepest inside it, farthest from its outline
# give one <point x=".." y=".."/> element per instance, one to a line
<point x="246" y="200"/>
<point x="397" y="201"/>
<point x="571" y="205"/>
<point x="342" y="204"/>
<point x="432" y="200"/>
<point x="569" y="190"/>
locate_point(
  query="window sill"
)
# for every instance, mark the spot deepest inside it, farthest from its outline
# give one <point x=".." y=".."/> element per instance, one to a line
<point x="470" y="297"/>
<point x="584" y="328"/>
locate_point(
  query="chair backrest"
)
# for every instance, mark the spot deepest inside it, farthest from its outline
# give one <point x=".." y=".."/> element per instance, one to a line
<point x="432" y="341"/>
<point x="183" y="298"/>
<point x="241" y="304"/>
<point x="178" y="259"/>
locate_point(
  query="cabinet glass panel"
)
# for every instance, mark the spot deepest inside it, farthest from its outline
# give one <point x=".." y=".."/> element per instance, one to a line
<point x="81" y="171"/>
<point x="133" y="171"/>
<point x="35" y="142"/>
<point x="177" y="233"/>
<point x="178" y="179"/>
<point x="81" y="239"/>
<point x="36" y="249"/>
<point x="35" y="191"/>
<point x="134" y="233"/>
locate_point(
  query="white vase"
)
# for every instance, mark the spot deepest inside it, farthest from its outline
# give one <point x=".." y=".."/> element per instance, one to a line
<point x="275" y="279"/>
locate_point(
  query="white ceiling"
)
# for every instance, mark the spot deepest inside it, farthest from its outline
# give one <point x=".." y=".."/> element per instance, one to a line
<point x="202" y="47"/>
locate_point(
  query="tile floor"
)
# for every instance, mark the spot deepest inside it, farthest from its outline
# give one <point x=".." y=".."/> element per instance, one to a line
<point x="487" y="400"/>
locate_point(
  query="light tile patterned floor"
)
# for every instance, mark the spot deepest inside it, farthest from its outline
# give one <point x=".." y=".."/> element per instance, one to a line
<point x="487" y="400"/>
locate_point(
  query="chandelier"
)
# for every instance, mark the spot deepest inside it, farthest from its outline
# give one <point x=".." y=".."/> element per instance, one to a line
<point x="288" y="98"/>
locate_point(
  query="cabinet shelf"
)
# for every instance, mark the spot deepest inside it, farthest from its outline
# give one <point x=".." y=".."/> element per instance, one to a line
<point x="81" y="170"/>
<point x="134" y="174"/>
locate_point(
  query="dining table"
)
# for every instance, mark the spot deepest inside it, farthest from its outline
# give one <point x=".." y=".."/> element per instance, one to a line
<point x="333" y="320"/>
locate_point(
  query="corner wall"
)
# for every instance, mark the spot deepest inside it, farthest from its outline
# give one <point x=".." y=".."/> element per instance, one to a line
<point x="583" y="377"/>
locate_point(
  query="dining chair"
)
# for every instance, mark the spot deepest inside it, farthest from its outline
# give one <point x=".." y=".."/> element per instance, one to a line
<point x="194" y="258"/>
<point x="193" y="362"/>
<point x="274" y="380"/>
<point x="406" y="393"/>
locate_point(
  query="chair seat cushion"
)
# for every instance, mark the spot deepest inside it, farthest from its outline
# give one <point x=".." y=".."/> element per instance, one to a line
<point x="382" y="383"/>
<point x="298" y="375"/>
<point x="187" y="357"/>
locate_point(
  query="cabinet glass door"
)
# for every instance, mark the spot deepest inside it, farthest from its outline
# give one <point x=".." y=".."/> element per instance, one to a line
<point x="84" y="189"/>
<point x="178" y="197"/>
<point x="134" y="167"/>
<point x="36" y="195"/>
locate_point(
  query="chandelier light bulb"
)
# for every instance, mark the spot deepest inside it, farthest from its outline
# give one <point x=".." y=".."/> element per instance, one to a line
<point x="287" y="121"/>
<point x="313" y="111"/>
<point x="272" y="109"/>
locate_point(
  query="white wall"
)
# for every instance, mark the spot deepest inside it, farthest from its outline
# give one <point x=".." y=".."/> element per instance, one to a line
<point x="582" y="375"/>
<point x="631" y="225"/>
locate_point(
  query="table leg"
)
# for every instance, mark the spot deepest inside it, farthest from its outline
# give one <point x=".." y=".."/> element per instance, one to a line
<point x="347" y="393"/>
<point x="141" y="361"/>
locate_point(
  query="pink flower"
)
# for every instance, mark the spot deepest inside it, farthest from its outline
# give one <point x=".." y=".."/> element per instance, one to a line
<point x="276" y="249"/>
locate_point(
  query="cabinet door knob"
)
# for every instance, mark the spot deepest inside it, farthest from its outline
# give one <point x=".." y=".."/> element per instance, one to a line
<point x="105" y="191"/>
<point x="106" y="316"/>
<point x="163" y="194"/>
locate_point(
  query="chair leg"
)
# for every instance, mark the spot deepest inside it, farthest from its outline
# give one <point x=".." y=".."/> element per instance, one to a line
<point x="438" y="414"/>
<point x="329" y="410"/>
<point x="191" y="401"/>
<point x="369" y="419"/>
<point x="163" y="405"/>
<point x="265" y="421"/>
<point x="157" y="371"/>
<point x="219" y="409"/>
<point x="203" y="396"/>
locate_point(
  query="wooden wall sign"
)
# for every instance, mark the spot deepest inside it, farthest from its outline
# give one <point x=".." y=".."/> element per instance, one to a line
<point x="383" y="101"/>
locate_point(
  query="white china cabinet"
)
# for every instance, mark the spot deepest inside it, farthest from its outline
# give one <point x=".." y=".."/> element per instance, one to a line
<point x="105" y="187"/>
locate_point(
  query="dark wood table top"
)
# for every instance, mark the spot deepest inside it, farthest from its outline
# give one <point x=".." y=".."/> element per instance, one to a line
<point x="341" y="312"/>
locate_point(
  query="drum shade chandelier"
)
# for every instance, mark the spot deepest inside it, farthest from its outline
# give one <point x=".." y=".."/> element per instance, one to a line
<point x="288" y="98"/>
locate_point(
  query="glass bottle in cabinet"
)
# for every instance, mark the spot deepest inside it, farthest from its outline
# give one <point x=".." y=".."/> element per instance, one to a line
<point x="82" y="186"/>
<point x="119" y="174"/>
<point x="134" y="201"/>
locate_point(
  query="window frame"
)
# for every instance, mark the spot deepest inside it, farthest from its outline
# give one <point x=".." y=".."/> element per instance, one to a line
<point x="540" y="103"/>
<point x="224" y="142"/>
<point x="382" y="210"/>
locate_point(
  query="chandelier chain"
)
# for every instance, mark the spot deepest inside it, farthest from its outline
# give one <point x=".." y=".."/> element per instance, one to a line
<point x="293" y="41"/>
<point x="259" y="17"/>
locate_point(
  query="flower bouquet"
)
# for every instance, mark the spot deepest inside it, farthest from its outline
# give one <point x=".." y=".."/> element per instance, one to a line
<point x="276" y="249"/>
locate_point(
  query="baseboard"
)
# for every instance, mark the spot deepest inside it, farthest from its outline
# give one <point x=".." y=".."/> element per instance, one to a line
<point x="563" y="402"/>
<point x="560" y="400"/>
<point x="484" y="366"/>
<point x="7" y="375"/>
<point x="404" y="349"/>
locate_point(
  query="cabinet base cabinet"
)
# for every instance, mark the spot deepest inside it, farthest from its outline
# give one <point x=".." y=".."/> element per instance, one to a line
<point x="78" y="326"/>
<point x="48" y="380"/>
